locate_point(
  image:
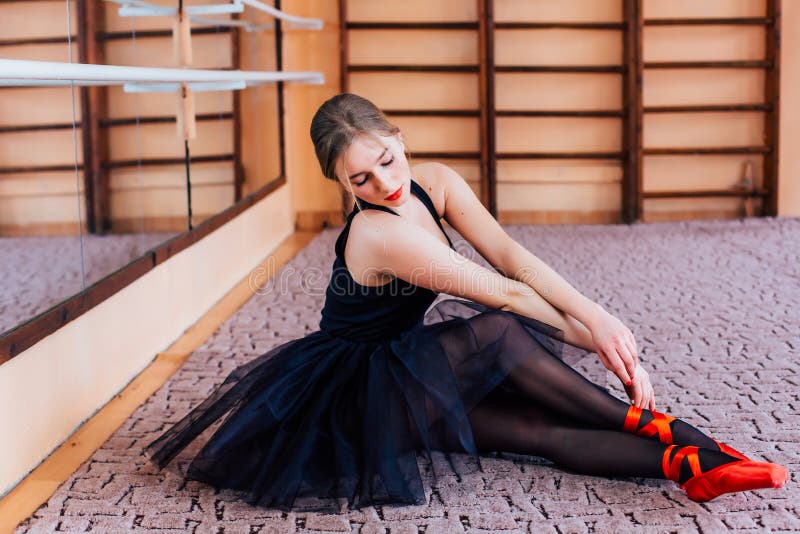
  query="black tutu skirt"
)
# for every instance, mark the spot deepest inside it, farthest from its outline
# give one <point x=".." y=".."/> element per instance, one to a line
<point x="322" y="419"/>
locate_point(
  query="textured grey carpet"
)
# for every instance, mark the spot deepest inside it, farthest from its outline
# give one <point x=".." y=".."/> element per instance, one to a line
<point x="714" y="306"/>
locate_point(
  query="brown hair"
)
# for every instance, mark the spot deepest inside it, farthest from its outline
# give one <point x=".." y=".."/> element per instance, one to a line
<point x="338" y="122"/>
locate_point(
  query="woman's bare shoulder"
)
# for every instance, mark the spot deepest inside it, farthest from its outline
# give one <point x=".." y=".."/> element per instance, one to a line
<point x="428" y="176"/>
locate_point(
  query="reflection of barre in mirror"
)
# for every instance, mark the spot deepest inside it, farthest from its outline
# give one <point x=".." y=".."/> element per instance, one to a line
<point x="139" y="8"/>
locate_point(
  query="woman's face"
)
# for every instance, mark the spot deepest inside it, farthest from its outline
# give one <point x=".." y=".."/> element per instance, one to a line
<point x="376" y="169"/>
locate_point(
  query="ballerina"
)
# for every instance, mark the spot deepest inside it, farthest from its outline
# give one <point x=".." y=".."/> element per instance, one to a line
<point x="343" y="411"/>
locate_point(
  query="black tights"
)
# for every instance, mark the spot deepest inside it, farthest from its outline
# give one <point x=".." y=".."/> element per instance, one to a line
<point x="548" y="409"/>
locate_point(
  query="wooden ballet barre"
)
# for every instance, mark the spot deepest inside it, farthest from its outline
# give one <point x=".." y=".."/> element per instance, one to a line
<point x="24" y="72"/>
<point x="139" y="8"/>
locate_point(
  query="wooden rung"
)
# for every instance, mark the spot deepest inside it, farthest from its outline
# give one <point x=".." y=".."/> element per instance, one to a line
<point x="560" y="113"/>
<point x="412" y="68"/>
<point x="145" y="34"/>
<point x="707" y="193"/>
<point x="560" y="25"/>
<point x="130" y="121"/>
<point x="446" y="155"/>
<point x="39" y="168"/>
<point x="412" y="25"/>
<point x="561" y="68"/>
<point x="37" y="40"/>
<point x="560" y="155"/>
<point x="746" y="64"/>
<point x="166" y="161"/>
<point x="38" y="127"/>
<point x="739" y="21"/>
<point x="432" y="112"/>
<point x="705" y="150"/>
<point x="705" y="108"/>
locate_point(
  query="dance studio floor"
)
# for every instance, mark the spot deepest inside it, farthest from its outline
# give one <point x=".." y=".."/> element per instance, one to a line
<point x="715" y="309"/>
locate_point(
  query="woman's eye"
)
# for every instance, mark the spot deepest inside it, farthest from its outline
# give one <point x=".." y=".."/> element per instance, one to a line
<point x="362" y="182"/>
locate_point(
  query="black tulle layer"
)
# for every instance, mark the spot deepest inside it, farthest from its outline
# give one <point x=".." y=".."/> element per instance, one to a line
<point x="323" y="418"/>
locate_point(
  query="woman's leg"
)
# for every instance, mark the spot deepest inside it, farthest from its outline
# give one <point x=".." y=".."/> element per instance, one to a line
<point x="544" y="378"/>
<point x="502" y="422"/>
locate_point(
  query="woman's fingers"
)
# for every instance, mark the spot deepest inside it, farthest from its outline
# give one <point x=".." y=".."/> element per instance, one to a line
<point x="627" y="359"/>
<point x="631" y="344"/>
<point x="619" y="367"/>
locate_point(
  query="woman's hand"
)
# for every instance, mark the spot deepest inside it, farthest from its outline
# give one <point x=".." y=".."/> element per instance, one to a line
<point x="641" y="390"/>
<point x="614" y="344"/>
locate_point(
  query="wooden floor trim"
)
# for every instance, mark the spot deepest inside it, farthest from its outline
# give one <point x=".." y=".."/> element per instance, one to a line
<point x="35" y="489"/>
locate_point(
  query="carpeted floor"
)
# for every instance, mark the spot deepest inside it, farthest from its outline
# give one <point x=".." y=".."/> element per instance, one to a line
<point x="715" y="309"/>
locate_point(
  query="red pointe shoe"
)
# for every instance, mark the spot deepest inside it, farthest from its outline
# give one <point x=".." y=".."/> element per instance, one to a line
<point x="739" y="475"/>
<point x="730" y="451"/>
<point x="661" y="425"/>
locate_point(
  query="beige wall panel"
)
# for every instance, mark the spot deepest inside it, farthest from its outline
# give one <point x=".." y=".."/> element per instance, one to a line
<point x="559" y="134"/>
<point x="406" y="90"/>
<point x="426" y="47"/>
<point x="43" y="105"/>
<point x="40" y="52"/>
<point x="128" y="105"/>
<point x="558" y="10"/>
<point x="53" y="147"/>
<point x="209" y="51"/>
<point x="560" y="91"/>
<point x="169" y="176"/>
<point x="702" y="130"/>
<point x="559" y="171"/>
<point x="669" y="87"/>
<point x="439" y="133"/>
<point x="170" y="202"/>
<point x="707" y="8"/>
<point x="789" y="172"/>
<point x="670" y="173"/>
<point x="557" y="47"/>
<point x="704" y="43"/>
<point x="162" y="141"/>
<point x="711" y="205"/>
<point x="35" y="184"/>
<point x="50" y="17"/>
<point x="38" y="209"/>
<point x="553" y="197"/>
<point x="412" y="10"/>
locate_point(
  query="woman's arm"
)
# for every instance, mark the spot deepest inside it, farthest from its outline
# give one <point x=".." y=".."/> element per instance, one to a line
<point x="393" y="246"/>
<point x="611" y="339"/>
<point x="518" y="263"/>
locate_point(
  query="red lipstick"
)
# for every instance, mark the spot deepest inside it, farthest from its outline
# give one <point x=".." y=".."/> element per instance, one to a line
<point x="395" y="195"/>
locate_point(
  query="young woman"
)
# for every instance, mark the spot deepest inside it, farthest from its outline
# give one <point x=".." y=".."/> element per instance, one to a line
<point x="343" y="411"/>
